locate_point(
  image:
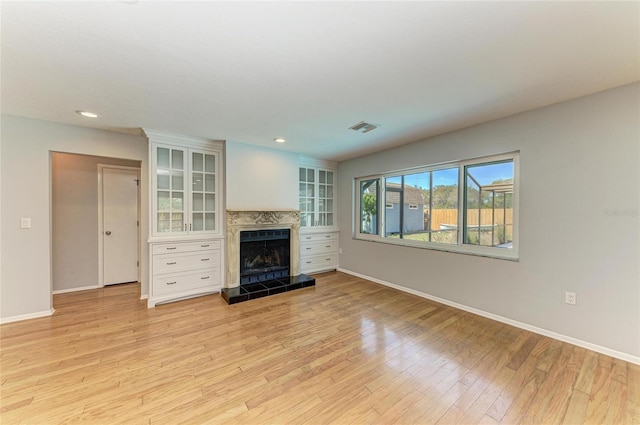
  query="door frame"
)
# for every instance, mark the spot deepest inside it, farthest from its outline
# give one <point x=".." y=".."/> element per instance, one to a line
<point x="101" y="167"/>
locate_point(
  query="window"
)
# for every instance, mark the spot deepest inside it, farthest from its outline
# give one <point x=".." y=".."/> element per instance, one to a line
<point x="368" y="201"/>
<point x="489" y="204"/>
<point x="466" y="206"/>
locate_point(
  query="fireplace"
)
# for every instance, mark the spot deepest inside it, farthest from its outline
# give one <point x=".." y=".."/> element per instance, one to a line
<point x="262" y="254"/>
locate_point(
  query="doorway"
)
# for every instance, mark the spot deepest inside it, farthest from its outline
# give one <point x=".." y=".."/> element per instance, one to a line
<point x="75" y="217"/>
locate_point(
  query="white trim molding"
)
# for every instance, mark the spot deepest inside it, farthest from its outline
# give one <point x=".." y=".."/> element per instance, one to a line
<point x="80" y="288"/>
<point x="564" y="338"/>
<point x="188" y="141"/>
<point x="28" y="316"/>
<point x="305" y="161"/>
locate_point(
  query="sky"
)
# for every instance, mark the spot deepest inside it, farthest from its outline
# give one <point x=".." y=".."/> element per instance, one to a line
<point x="485" y="174"/>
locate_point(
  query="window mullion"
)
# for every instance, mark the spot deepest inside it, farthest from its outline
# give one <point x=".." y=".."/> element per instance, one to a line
<point x="401" y="197"/>
<point x="382" y="195"/>
<point x="462" y="203"/>
<point x="430" y="204"/>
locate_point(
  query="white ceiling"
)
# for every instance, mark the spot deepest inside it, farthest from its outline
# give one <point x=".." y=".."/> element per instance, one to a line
<point x="306" y="71"/>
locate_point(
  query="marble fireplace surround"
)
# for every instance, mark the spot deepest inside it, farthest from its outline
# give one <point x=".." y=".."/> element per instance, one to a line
<point x="242" y="220"/>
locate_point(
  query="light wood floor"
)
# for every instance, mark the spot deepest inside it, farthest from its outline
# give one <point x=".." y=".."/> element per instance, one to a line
<point x="346" y="351"/>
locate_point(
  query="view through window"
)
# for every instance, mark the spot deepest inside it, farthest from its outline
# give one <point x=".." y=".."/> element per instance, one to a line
<point x="463" y="204"/>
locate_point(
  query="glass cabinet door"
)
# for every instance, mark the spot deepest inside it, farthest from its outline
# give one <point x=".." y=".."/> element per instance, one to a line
<point x="307" y="197"/>
<point x="185" y="188"/>
<point x="316" y="197"/>
<point x="203" y="192"/>
<point x="325" y="198"/>
<point x="170" y="190"/>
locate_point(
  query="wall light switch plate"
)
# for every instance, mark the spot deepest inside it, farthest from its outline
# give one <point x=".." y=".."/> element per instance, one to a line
<point x="25" y="223"/>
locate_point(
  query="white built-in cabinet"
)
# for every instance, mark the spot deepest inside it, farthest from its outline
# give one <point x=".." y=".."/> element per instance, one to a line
<point x="186" y="216"/>
<point x="316" y="196"/>
<point x="318" y="252"/>
<point x="186" y="190"/>
<point x="319" y="248"/>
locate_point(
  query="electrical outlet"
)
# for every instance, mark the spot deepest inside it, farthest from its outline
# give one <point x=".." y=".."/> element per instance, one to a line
<point x="25" y="223"/>
<point x="340" y="250"/>
<point x="570" y="298"/>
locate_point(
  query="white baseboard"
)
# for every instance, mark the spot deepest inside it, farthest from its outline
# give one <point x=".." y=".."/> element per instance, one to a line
<point x="28" y="316"/>
<point x="564" y="338"/>
<point x="81" y="288"/>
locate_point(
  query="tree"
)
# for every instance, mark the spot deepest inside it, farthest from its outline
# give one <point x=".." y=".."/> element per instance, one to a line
<point x="444" y="197"/>
<point x="369" y="208"/>
<point x="369" y="204"/>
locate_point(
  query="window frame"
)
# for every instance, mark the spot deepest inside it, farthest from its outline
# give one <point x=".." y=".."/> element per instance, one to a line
<point x="357" y="222"/>
<point x="460" y="247"/>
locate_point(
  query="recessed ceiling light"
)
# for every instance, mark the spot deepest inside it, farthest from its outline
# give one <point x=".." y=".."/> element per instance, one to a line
<point x="87" y="114"/>
<point x="279" y="140"/>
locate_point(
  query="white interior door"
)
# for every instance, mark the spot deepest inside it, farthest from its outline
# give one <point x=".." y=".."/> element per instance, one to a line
<point x="120" y="225"/>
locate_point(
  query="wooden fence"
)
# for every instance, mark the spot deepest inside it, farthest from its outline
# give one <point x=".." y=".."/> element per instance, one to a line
<point x="450" y="217"/>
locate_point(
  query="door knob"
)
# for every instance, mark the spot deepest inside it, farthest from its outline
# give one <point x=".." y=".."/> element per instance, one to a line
<point x="108" y="232"/>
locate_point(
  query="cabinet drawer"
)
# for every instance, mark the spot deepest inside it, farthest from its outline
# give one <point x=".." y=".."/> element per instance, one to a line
<point x="183" y="262"/>
<point x="184" y="247"/>
<point x="313" y="248"/>
<point x="318" y="262"/>
<point x="178" y="283"/>
<point x="316" y="237"/>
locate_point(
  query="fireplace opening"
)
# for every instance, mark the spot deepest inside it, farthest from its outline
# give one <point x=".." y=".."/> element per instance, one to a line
<point x="264" y="255"/>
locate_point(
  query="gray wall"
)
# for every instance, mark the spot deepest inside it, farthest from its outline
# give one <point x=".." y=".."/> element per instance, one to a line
<point x="25" y="266"/>
<point x="579" y="231"/>
<point x="74" y="189"/>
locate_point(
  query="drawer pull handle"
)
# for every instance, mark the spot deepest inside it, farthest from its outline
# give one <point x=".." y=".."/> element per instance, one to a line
<point x="204" y="246"/>
<point x="203" y="278"/>
<point x="308" y="237"/>
<point x="327" y="259"/>
<point x="308" y="262"/>
<point x="204" y="259"/>
<point x="308" y="248"/>
<point x="171" y="283"/>
<point x="173" y="247"/>
<point x="171" y="264"/>
<point x="327" y="236"/>
<point x="327" y="246"/>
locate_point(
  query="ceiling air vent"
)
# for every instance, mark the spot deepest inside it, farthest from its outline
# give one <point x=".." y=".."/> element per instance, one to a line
<point x="364" y="127"/>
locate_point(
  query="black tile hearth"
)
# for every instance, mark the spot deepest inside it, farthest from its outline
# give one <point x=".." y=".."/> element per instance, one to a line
<point x="271" y="287"/>
<point x="272" y="284"/>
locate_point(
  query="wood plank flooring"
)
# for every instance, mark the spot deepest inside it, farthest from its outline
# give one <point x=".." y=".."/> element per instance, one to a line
<point x="346" y="351"/>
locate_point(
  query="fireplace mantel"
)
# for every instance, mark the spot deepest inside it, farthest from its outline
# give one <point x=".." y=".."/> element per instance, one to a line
<point x="242" y="220"/>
